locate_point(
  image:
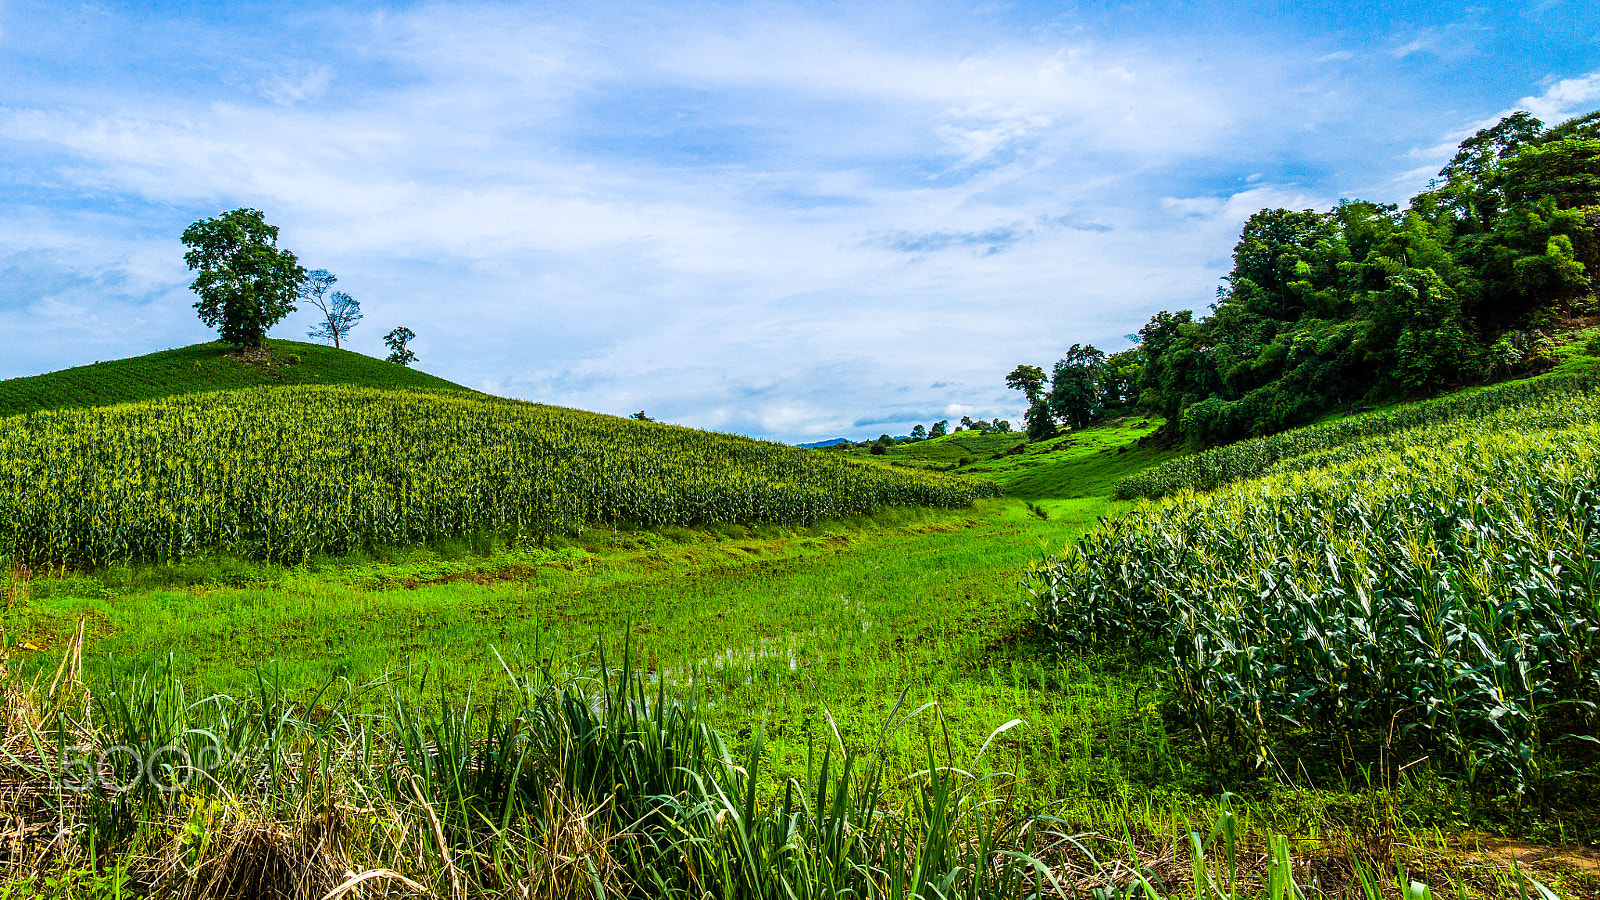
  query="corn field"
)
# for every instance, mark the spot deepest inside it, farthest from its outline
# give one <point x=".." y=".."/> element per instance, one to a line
<point x="1548" y="401"/>
<point x="1427" y="597"/>
<point x="282" y="473"/>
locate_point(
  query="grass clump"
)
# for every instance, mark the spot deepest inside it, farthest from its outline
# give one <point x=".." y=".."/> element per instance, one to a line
<point x="575" y="780"/>
<point x="580" y="782"/>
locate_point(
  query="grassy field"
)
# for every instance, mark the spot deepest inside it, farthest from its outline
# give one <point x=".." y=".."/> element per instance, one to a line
<point x="786" y="638"/>
<point x="767" y="626"/>
<point x="205" y="367"/>
<point x="1086" y="463"/>
<point x="1081" y="464"/>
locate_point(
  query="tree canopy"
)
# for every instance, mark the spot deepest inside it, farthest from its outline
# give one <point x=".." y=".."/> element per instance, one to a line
<point x="246" y="283"/>
<point x="1366" y="301"/>
<point x="397" y="339"/>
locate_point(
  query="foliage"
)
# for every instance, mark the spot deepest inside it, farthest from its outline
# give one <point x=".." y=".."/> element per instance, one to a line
<point x="246" y="284"/>
<point x="396" y="340"/>
<point x="1074" y="396"/>
<point x="939" y="428"/>
<point x="1086" y="386"/>
<point x="1424" y="592"/>
<point x="1030" y="380"/>
<point x="1368" y="301"/>
<point x="283" y="473"/>
<point x="1041" y="424"/>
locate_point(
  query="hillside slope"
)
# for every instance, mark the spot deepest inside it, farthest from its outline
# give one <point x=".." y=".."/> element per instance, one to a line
<point x="283" y="472"/>
<point x="1417" y="583"/>
<point x="204" y="367"/>
<point x="1084" y="463"/>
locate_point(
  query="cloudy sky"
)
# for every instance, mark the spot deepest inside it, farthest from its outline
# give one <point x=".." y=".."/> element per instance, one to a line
<point x="792" y="221"/>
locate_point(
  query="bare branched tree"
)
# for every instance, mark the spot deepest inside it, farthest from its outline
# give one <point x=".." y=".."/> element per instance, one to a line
<point x="340" y="311"/>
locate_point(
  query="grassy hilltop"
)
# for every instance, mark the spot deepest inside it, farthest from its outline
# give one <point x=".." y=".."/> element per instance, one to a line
<point x="205" y="367"/>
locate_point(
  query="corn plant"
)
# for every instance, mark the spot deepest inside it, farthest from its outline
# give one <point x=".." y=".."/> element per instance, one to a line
<point x="1548" y="402"/>
<point x="282" y="473"/>
<point x="1433" y="598"/>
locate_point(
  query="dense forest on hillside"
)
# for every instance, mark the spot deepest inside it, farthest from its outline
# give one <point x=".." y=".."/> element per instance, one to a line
<point x="1366" y="301"/>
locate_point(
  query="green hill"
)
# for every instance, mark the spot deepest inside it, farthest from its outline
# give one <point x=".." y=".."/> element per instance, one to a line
<point x="205" y="367"/>
<point x="284" y="472"/>
<point x="1084" y="463"/>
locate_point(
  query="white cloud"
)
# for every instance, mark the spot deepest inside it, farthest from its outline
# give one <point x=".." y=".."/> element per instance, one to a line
<point x="1234" y="209"/>
<point x="300" y="81"/>
<point x="1564" y="99"/>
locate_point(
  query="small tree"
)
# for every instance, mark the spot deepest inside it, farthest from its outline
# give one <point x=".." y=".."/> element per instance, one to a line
<point x="919" y="433"/>
<point x="939" y="429"/>
<point x="641" y="416"/>
<point x="397" y="340"/>
<point x="340" y="311"/>
<point x="246" y="284"/>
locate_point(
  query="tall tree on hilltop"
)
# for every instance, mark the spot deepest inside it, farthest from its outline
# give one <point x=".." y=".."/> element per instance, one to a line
<point x="1031" y="380"/>
<point x="340" y="311"/>
<point x="1470" y="189"/>
<point x="245" y="282"/>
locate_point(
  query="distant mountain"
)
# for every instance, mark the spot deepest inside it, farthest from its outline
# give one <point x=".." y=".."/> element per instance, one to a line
<point x="828" y="443"/>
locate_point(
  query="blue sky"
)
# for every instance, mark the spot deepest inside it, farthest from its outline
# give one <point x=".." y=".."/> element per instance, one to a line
<point x="793" y="221"/>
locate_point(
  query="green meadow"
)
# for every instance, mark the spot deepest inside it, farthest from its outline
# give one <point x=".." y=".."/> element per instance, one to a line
<point x="770" y="625"/>
<point x="660" y="681"/>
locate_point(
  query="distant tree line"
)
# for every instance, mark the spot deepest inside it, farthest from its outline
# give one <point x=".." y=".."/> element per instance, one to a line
<point x="1363" y="302"/>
